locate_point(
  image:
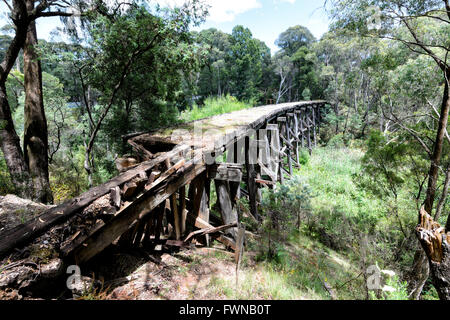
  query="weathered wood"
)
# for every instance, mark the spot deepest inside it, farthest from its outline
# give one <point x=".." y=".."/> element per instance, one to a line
<point x="201" y="224"/>
<point x="140" y="230"/>
<point x="100" y="239"/>
<point x="264" y="182"/>
<point x="206" y="231"/>
<point x="239" y="245"/>
<point x="254" y="119"/>
<point x="182" y="209"/>
<point x="176" y="217"/>
<point x="126" y="239"/>
<point x="23" y="233"/>
<point x="227" y="211"/>
<point x="115" y="197"/>
<point x="290" y="146"/>
<point x="129" y="190"/>
<point x="251" y="177"/>
<point x="297" y="139"/>
<point x="225" y="171"/>
<point x="314" y="126"/>
<point x="140" y="150"/>
<point x="161" y="210"/>
<point x="153" y="176"/>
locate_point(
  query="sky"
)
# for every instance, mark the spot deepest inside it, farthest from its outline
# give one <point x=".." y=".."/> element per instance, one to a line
<point x="266" y="19"/>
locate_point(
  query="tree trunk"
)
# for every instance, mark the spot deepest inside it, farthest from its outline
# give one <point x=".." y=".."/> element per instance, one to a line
<point x="436" y="271"/>
<point x="10" y="145"/>
<point x="9" y="140"/>
<point x="433" y="239"/>
<point x="438" y="145"/>
<point x="35" y="127"/>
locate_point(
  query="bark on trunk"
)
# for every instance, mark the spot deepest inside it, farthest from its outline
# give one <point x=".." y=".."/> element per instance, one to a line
<point x="9" y="140"/>
<point x="35" y="126"/>
<point x="10" y="145"/>
<point x="437" y="152"/>
<point x="433" y="239"/>
<point x="420" y="278"/>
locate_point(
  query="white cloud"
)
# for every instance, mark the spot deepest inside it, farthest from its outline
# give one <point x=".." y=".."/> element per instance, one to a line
<point x="317" y="26"/>
<point x="221" y="10"/>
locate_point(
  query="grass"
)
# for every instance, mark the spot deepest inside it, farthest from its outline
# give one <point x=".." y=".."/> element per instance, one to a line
<point x="305" y="265"/>
<point x="214" y="106"/>
<point x="329" y="173"/>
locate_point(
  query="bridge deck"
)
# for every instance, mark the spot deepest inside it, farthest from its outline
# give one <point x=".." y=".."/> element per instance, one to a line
<point x="221" y="127"/>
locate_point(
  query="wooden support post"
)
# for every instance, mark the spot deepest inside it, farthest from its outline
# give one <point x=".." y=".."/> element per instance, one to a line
<point x="290" y="145"/>
<point x="297" y="139"/>
<point x="149" y="229"/>
<point x="161" y="209"/>
<point x="127" y="238"/>
<point x="252" y="187"/>
<point x="140" y="231"/>
<point x="273" y="140"/>
<point x="228" y="213"/>
<point x="275" y="143"/>
<point x="308" y="131"/>
<point x="314" y="108"/>
<point x="301" y="119"/>
<point x="199" y="195"/>
<point x="182" y="209"/>
<point x="284" y="134"/>
<point x="176" y="216"/>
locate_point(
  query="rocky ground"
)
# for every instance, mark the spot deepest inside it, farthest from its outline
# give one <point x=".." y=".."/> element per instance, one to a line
<point x="15" y="211"/>
<point x="36" y="272"/>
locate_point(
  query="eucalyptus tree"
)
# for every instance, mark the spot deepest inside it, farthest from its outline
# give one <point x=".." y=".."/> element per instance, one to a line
<point x="22" y="15"/>
<point x="408" y="22"/>
<point x="133" y="55"/>
<point x="29" y="168"/>
<point x="245" y="64"/>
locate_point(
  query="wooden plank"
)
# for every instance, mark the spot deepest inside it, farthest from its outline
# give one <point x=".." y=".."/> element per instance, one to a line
<point x="115" y="197"/>
<point x="225" y="171"/>
<point x="227" y="211"/>
<point x="239" y="246"/>
<point x="96" y="242"/>
<point x="159" y="221"/>
<point x="297" y="140"/>
<point x="182" y="209"/>
<point x="140" y="149"/>
<point x="129" y="190"/>
<point x="23" y="233"/>
<point x="290" y="146"/>
<point x="210" y="230"/>
<point x="201" y="224"/>
<point x="251" y="176"/>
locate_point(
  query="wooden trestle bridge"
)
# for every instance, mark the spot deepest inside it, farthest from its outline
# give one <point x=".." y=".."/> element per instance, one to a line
<point x="165" y="197"/>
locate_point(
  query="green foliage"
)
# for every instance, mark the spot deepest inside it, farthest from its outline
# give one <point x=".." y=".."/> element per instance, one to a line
<point x="214" y="106"/>
<point x="304" y="157"/>
<point x="294" y="38"/>
<point x="394" y="290"/>
<point x="284" y="208"/>
<point x="236" y="64"/>
<point x="6" y="185"/>
<point x="383" y="165"/>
